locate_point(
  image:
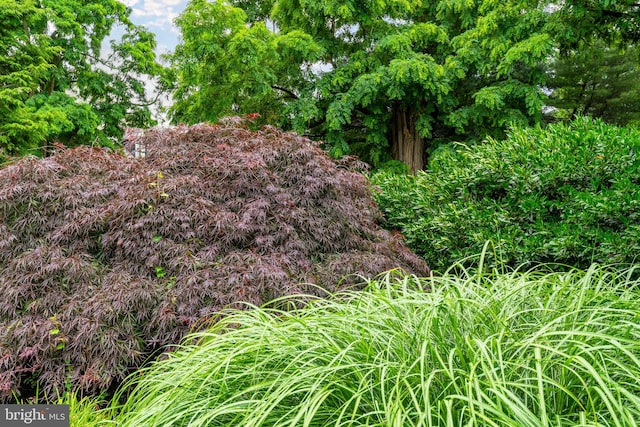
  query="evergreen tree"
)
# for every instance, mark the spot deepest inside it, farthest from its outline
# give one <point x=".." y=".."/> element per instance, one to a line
<point x="598" y="81"/>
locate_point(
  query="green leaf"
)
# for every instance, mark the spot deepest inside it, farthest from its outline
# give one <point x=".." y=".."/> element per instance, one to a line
<point x="160" y="273"/>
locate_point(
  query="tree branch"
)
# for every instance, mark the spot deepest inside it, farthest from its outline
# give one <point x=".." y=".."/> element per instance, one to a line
<point x="287" y="91"/>
<point x="618" y="14"/>
<point x="148" y="103"/>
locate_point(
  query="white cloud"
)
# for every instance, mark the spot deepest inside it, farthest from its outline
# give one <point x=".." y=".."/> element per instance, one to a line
<point x="158" y="16"/>
<point x="158" y="8"/>
<point x="165" y="23"/>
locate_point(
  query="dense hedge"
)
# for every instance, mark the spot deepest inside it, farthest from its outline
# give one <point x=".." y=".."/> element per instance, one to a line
<point x="568" y="193"/>
<point x="105" y="259"/>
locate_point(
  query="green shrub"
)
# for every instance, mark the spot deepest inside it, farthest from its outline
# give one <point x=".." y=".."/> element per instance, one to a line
<point x="525" y="349"/>
<point x="568" y="193"/>
<point x="105" y="260"/>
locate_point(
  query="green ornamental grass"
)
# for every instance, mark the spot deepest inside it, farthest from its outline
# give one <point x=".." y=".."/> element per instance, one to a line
<point x="84" y="411"/>
<point x="534" y="348"/>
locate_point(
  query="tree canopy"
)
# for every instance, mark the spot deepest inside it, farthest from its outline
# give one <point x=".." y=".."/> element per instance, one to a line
<point x="390" y="79"/>
<point x="612" y="21"/>
<point x="361" y="74"/>
<point x="594" y="70"/>
<point x="57" y="83"/>
<point x="598" y="81"/>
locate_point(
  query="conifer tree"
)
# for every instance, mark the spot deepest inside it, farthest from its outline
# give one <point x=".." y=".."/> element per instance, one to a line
<point x="598" y="81"/>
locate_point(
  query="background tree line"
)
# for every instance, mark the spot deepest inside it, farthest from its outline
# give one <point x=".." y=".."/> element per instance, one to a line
<point x="59" y="83"/>
<point x="387" y="80"/>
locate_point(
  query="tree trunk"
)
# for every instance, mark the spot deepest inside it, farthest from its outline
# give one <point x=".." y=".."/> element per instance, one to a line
<point x="406" y="144"/>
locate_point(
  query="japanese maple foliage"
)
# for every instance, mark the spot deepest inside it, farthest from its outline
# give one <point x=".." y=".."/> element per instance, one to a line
<point x="105" y="259"/>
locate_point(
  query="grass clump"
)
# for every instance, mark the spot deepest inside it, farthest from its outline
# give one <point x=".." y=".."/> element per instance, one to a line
<point x="520" y="349"/>
<point x="566" y="194"/>
<point x="84" y="411"/>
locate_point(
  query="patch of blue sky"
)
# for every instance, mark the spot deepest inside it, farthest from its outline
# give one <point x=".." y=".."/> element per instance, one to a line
<point x="158" y="17"/>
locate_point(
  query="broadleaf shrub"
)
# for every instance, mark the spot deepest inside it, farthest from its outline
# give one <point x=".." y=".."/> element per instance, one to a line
<point x="566" y="194"/>
<point x="105" y="259"/>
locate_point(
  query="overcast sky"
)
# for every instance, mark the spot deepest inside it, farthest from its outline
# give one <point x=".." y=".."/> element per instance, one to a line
<point x="158" y="16"/>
